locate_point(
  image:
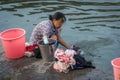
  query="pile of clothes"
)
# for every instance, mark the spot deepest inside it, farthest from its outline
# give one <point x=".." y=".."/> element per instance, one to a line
<point x="32" y="50"/>
<point x="70" y="59"/>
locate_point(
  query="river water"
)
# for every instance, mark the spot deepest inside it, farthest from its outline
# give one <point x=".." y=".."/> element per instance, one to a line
<point x="94" y="25"/>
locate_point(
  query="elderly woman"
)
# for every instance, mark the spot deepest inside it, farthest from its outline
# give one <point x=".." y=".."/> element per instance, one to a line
<point x="50" y="28"/>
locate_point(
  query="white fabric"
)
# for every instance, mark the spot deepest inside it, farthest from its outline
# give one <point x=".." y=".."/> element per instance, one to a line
<point x="62" y="66"/>
<point x="70" y="52"/>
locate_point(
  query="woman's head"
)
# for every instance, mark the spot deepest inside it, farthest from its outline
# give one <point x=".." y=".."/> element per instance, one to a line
<point x="58" y="19"/>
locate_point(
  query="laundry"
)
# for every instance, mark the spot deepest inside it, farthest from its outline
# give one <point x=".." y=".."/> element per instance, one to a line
<point x="77" y="49"/>
<point x="59" y="51"/>
<point x="70" y="52"/>
<point x="81" y="63"/>
<point x="29" y="54"/>
<point x="30" y="47"/>
<point x="32" y="50"/>
<point x="69" y="59"/>
<point x="61" y="67"/>
<point x="64" y="59"/>
<point x="65" y="56"/>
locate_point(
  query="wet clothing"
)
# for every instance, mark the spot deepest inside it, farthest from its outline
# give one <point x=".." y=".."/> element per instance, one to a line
<point x="68" y="60"/>
<point x="64" y="59"/>
<point x="45" y="28"/>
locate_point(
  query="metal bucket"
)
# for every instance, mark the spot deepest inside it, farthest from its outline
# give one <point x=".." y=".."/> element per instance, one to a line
<point x="47" y="50"/>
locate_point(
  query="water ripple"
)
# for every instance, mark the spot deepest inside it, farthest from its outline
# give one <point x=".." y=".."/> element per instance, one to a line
<point x="103" y="25"/>
<point x="88" y="13"/>
<point x="100" y="10"/>
<point x="75" y="3"/>
<point x="98" y="21"/>
<point x="95" y="17"/>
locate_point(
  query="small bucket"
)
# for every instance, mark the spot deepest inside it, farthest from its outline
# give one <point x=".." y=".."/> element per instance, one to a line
<point x="116" y="68"/>
<point x="47" y="50"/>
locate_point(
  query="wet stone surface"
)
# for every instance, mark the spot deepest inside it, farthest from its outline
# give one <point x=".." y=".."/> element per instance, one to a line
<point x="36" y="69"/>
<point x="30" y="69"/>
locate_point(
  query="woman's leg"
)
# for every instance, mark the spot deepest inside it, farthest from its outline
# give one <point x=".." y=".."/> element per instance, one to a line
<point x="55" y="37"/>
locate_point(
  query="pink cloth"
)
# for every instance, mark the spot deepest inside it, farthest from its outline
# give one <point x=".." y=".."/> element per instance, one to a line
<point x="59" y="51"/>
<point x="57" y="67"/>
<point x="65" y="60"/>
<point x="61" y="67"/>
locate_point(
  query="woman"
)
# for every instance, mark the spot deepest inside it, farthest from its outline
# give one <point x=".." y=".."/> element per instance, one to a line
<point x="50" y="28"/>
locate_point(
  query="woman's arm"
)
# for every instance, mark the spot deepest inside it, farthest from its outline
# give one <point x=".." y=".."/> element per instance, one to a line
<point x="62" y="42"/>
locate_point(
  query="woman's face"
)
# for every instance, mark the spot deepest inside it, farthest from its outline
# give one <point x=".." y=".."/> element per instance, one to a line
<point x="58" y="23"/>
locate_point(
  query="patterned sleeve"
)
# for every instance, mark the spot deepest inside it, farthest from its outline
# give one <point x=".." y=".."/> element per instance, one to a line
<point x="39" y="31"/>
<point x="45" y="30"/>
<point x="36" y="34"/>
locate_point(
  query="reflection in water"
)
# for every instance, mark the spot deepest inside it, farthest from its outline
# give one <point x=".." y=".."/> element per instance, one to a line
<point x="73" y="8"/>
<point x="103" y="25"/>
<point x="20" y="15"/>
<point x="96" y="17"/>
<point x="71" y="14"/>
<point x="79" y="28"/>
<point x="91" y="47"/>
<point x="85" y="30"/>
<point x="98" y="21"/>
<point x="100" y="10"/>
<point x="75" y="3"/>
<point x="8" y="9"/>
<point x="98" y="43"/>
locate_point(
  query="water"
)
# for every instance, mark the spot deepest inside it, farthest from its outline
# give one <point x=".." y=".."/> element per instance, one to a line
<point x="94" y="25"/>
